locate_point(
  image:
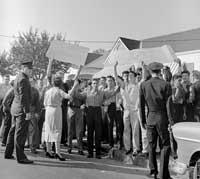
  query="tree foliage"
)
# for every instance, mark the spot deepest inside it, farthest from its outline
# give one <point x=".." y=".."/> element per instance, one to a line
<point x="6" y="66"/>
<point x="33" y="45"/>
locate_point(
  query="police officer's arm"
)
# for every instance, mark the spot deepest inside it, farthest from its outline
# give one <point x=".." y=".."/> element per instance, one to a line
<point x="24" y="96"/>
<point x="118" y="80"/>
<point x="142" y="106"/>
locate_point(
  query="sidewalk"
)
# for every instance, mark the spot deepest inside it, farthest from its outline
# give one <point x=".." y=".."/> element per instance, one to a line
<point x="115" y="161"/>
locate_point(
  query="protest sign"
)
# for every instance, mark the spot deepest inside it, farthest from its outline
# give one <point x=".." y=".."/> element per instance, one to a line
<point x="126" y="59"/>
<point x="69" y="53"/>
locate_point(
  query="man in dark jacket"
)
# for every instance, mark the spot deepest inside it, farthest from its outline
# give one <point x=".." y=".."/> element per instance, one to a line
<point x="7" y="102"/>
<point x="154" y="93"/>
<point x="20" y="111"/>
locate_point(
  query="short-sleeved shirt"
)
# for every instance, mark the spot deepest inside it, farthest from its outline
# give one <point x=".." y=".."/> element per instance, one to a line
<point x="53" y="97"/>
<point x="96" y="98"/>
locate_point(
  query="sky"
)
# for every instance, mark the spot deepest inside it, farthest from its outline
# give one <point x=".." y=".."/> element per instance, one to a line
<point x="97" y="20"/>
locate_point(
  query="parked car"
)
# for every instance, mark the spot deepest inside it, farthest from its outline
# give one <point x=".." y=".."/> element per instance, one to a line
<point x="187" y="136"/>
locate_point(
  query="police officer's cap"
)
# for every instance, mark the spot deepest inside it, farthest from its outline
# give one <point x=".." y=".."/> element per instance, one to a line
<point x="27" y="63"/>
<point x="154" y="66"/>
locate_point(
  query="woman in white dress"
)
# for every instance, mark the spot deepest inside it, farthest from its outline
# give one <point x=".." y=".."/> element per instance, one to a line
<point x="53" y="115"/>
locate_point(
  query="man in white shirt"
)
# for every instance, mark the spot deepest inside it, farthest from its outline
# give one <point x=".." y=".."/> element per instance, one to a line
<point x="130" y="93"/>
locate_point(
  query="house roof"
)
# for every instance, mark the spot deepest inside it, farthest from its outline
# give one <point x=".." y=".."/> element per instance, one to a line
<point x="181" y="41"/>
<point x="98" y="62"/>
<point x="130" y="43"/>
<point x="91" y="57"/>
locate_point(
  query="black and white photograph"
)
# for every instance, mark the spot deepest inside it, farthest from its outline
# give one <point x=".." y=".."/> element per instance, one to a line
<point x="99" y="89"/>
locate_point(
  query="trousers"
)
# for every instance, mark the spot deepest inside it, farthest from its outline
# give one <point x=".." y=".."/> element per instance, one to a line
<point x="6" y="126"/>
<point x="94" y="122"/>
<point x="75" y="125"/>
<point x="33" y="133"/>
<point x="131" y="140"/>
<point x="155" y="130"/>
<point x="17" y="135"/>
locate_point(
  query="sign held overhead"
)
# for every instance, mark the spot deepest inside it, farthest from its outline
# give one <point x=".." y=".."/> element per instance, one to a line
<point x="69" y="53"/>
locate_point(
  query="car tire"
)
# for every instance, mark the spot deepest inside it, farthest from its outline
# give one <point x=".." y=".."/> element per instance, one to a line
<point x="194" y="172"/>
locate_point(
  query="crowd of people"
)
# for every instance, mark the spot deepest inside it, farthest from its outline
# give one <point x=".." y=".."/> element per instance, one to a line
<point x="133" y="110"/>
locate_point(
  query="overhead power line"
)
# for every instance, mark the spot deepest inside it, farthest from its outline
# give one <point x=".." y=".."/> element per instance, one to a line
<point x="98" y="41"/>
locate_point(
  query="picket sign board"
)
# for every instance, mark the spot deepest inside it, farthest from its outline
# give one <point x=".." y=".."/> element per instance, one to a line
<point x="66" y="52"/>
<point x="126" y="59"/>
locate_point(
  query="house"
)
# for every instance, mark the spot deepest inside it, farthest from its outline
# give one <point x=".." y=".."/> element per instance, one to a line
<point x="122" y="44"/>
<point x="185" y="44"/>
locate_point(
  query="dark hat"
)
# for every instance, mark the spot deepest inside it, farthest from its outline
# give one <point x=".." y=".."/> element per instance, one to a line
<point x="155" y="66"/>
<point x="27" y="63"/>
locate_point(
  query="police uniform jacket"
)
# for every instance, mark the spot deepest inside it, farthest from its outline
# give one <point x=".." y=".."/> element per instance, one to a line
<point x="22" y="95"/>
<point x="154" y="93"/>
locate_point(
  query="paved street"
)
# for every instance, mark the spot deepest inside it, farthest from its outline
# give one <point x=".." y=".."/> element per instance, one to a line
<point x="76" y="167"/>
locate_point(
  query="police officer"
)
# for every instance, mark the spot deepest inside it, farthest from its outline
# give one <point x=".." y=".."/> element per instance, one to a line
<point x="20" y="111"/>
<point x="154" y="93"/>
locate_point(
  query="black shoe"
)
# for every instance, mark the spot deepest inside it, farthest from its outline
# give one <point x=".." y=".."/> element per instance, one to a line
<point x="25" y="161"/>
<point x="128" y="152"/>
<point x="9" y="157"/>
<point x="80" y="152"/>
<point x="98" y="156"/>
<point x="152" y="174"/>
<point x="69" y="151"/>
<point x="59" y="157"/>
<point x="136" y="153"/>
<point x="49" y="155"/>
<point x="89" y="156"/>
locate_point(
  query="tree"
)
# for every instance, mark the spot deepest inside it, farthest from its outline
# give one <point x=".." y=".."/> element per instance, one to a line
<point x="5" y="64"/>
<point x="34" y="45"/>
<point x="100" y="51"/>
